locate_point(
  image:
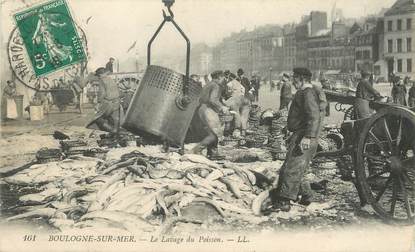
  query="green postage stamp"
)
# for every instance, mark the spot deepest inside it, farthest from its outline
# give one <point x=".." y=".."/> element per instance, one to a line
<point x="50" y="37"/>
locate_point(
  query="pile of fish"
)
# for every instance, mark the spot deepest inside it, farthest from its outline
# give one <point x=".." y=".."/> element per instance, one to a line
<point x="254" y="116"/>
<point x="141" y="189"/>
<point x="257" y="134"/>
<point x="136" y="189"/>
<point x="277" y="137"/>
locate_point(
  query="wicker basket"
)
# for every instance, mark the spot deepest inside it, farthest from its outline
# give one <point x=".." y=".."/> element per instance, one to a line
<point x="226" y="118"/>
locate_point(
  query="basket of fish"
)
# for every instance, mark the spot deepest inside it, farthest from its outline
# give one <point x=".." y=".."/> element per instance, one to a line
<point x="95" y="152"/>
<point x="68" y="144"/>
<point x="230" y="141"/>
<point x="226" y="117"/>
<point x="46" y="155"/>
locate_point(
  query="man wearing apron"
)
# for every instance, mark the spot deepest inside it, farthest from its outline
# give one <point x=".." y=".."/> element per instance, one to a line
<point x="8" y="103"/>
<point x="109" y="113"/>
<point x="209" y="110"/>
<point x="237" y="103"/>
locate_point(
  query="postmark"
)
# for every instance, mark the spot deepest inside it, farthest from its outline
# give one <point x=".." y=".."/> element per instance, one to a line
<point x="20" y="64"/>
<point x="50" y="37"/>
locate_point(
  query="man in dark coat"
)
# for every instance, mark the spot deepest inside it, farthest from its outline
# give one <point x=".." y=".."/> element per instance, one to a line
<point x="109" y="111"/>
<point x="364" y="93"/>
<point x="209" y="110"/>
<point x="305" y="120"/>
<point x="325" y="84"/>
<point x="286" y="92"/>
<point x="110" y="65"/>
<point x="391" y="78"/>
<point x="399" y="92"/>
<point x="255" y="84"/>
<point x="411" y="96"/>
<point x="248" y="97"/>
<point x="244" y="81"/>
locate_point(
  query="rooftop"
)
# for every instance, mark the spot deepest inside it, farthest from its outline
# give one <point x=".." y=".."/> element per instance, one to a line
<point x="401" y="7"/>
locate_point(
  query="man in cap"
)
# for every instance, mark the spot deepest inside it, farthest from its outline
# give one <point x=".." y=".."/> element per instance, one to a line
<point x="109" y="111"/>
<point x="286" y="92"/>
<point x="209" y="110"/>
<point x="305" y="120"/>
<point x="110" y="65"/>
<point x="364" y="93"/>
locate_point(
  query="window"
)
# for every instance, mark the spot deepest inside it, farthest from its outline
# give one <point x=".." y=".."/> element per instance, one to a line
<point x="409" y="65"/>
<point x="390" y="45"/>
<point x="399" y="26"/>
<point x="409" y="23"/>
<point x="399" y="45"/>
<point x="366" y="54"/>
<point x="358" y="55"/>
<point x="409" y="44"/>
<point x="390" y="25"/>
<point x="399" y="66"/>
<point x="376" y="69"/>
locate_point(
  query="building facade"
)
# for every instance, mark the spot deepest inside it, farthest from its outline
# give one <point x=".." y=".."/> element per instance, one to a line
<point x="310" y="26"/>
<point x="245" y="52"/>
<point x="289" y="48"/>
<point x="267" y="49"/>
<point x="331" y="50"/>
<point x="200" y="59"/>
<point x="301" y="40"/>
<point x="366" y="42"/>
<point x="318" y="53"/>
<point x="399" y="35"/>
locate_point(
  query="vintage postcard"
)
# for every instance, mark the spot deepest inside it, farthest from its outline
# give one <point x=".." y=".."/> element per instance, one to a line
<point x="207" y="125"/>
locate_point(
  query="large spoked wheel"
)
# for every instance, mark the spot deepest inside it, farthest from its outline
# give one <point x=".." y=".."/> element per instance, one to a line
<point x="385" y="164"/>
<point x="349" y="114"/>
<point x="128" y="83"/>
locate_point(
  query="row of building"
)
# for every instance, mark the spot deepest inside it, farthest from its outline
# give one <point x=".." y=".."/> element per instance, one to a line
<point x="381" y="44"/>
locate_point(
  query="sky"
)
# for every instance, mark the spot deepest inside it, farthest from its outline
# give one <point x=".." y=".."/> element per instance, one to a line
<point x="116" y="24"/>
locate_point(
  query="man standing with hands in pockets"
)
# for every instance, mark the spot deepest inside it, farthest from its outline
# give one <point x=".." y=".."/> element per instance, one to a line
<point x="305" y="120"/>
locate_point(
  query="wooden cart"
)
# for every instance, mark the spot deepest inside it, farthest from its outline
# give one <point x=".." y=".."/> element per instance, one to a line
<point x="63" y="98"/>
<point x="382" y="148"/>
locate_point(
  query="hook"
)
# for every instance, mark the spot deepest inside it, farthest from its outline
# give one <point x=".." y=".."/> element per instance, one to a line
<point x="168" y="4"/>
<point x="170" y="11"/>
<point x="166" y="17"/>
